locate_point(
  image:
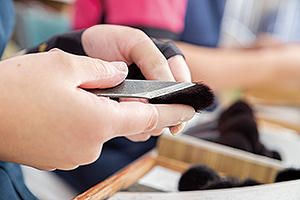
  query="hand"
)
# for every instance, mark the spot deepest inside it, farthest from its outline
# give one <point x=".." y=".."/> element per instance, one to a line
<point x="49" y="122"/>
<point x="110" y="43"/>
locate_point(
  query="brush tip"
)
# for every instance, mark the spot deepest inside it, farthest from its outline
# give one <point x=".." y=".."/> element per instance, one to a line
<point x="199" y="96"/>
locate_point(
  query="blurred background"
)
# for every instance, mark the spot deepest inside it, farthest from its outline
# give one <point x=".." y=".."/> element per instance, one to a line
<point x="244" y="20"/>
<point x="37" y="21"/>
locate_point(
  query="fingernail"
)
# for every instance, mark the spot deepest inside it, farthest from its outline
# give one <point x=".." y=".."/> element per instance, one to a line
<point x="121" y="66"/>
<point x="175" y="130"/>
<point x="54" y="49"/>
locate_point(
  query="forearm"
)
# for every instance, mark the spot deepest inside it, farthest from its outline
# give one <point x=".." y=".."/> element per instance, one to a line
<point x="237" y="68"/>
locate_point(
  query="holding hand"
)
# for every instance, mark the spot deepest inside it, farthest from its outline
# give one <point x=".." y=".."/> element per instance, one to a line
<point x="49" y="122"/>
<point x="111" y="43"/>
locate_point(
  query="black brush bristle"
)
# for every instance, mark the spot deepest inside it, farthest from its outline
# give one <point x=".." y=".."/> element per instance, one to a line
<point x="288" y="175"/>
<point x="199" y="96"/>
<point x="197" y="177"/>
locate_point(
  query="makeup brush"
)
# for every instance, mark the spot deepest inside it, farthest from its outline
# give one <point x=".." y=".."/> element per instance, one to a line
<point x="197" y="95"/>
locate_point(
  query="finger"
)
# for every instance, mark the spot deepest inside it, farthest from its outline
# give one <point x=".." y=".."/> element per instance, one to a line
<point x="138" y="48"/>
<point x="181" y="72"/>
<point x="173" y="114"/>
<point x="100" y="74"/>
<point x="135" y="117"/>
<point x="89" y="72"/>
<point x="139" y="137"/>
<point x="55" y="49"/>
<point x="156" y="132"/>
<point x="175" y="130"/>
<point x="143" y="100"/>
<point x="145" y="135"/>
<point x="151" y="61"/>
<point x="179" y="69"/>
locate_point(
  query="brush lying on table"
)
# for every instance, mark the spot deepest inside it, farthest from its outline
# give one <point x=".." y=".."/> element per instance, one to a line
<point x="197" y="95"/>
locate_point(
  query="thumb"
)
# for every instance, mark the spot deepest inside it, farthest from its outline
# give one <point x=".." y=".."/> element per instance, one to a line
<point x="100" y="74"/>
<point x="92" y="72"/>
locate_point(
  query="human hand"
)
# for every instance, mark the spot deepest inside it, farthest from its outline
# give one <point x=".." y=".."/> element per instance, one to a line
<point x="107" y="42"/>
<point x="48" y="121"/>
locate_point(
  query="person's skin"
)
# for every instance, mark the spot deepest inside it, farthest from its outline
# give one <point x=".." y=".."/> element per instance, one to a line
<point x="48" y="121"/>
<point x="267" y="63"/>
<point x="141" y="50"/>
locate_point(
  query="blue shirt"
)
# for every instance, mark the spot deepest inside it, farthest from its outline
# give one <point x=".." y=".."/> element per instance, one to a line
<point x="12" y="185"/>
<point x="11" y="179"/>
<point x="202" y="22"/>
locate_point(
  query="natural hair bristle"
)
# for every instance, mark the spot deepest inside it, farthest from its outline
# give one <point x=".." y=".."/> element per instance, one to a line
<point x="199" y="96"/>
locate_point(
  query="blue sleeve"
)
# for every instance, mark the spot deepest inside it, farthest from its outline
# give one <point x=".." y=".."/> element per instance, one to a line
<point x="202" y="22"/>
<point x="12" y="184"/>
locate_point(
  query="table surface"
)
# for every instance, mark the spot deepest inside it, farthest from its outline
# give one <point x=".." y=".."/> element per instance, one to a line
<point x="276" y="191"/>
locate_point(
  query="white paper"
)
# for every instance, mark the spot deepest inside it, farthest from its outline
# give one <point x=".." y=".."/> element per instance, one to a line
<point x="161" y="178"/>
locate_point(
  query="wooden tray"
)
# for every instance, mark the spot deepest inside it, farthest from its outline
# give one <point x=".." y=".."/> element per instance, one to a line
<point x="178" y="153"/>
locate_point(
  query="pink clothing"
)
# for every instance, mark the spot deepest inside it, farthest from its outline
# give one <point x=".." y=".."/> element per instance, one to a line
<point x="86" y="13"/>
<point x="162" y="14"/>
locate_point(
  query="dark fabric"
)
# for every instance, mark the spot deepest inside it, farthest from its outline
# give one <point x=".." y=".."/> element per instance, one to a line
<point x="202" y="22"/>
<point x="167" y="48"/>
<point x="69" y="42"/>
<point x="6" y="23"/>
<point x="12" y="184"/>
<point x="160" y="33"/>
<point x="116" y="154"/>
